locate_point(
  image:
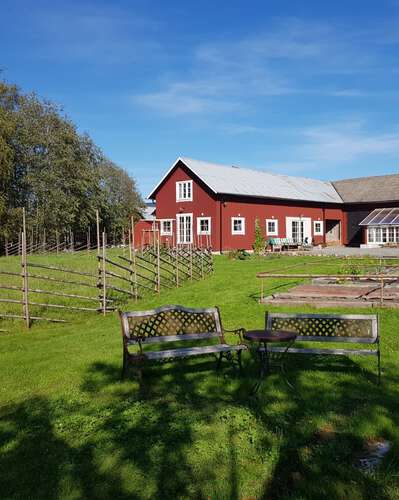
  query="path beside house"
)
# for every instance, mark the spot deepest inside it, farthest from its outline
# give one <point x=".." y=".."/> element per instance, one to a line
<point x="341" y="251"/>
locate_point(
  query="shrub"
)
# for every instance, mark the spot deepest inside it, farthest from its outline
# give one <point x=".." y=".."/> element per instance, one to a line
<point x="259" y="243"/>
<point x="239" y="254"/>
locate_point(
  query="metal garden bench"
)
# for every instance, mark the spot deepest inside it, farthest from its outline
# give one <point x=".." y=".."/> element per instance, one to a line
<point x="327" y="328"/>
<point x="173" y="323"/>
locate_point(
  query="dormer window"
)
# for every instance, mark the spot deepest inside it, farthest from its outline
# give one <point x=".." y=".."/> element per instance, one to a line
<point x="184" y="191"/>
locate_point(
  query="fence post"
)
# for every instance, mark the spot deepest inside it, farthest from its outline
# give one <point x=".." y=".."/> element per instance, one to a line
<point x="104" y="277"/>
<point x="136" y="294"/>
<point x="25" y="284"/>
<point x="98" y="231"/>
<point x="177" y="266"/>
<point x="88" y="239"/>
<point x="158" y="264"/>
<point x="99" y="281"/>
<point x="191" y="262"/>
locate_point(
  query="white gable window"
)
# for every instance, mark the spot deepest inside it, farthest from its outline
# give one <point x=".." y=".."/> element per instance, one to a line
<point x="318" y="228"/>
<point x="271" y="227"/>
<point x="204" y="225"/>
<point x="237" y="225"/>
<point x="166" y="227"/>
<point x="184" y="191"/>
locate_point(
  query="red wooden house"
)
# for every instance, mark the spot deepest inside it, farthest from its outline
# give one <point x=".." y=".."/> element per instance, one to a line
<point x="216" y="205"/>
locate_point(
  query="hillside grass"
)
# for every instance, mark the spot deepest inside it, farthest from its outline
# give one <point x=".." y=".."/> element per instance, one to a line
<point x="70" y="428"/>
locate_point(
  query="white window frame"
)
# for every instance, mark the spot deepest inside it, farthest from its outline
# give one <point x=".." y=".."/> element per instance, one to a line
<point x="242" y="230"/>
<point x="321" y="232"/>
<point x="178" y="235"/>
<point x="272" y="233"/>
<point x="180" y="190"/>
<point x="307" y="226"/>
<point x="163" y="232"/>
<point x="199" y="220"/>
<point x="380" y="235"/>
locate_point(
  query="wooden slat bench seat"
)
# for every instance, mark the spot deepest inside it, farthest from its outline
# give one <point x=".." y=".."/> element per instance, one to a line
<point x="330" y="328"/>
<point x="174" y="323"/>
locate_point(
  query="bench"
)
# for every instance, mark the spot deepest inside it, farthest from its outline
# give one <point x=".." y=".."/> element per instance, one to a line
<point x="340" y="328"/>
<point x="281" y="243"/>
<point x="174" y="323"/>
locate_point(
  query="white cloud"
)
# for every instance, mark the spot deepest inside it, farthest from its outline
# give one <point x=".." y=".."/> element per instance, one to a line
<point x="345" y="142"/>
<point x="292" y="58"/>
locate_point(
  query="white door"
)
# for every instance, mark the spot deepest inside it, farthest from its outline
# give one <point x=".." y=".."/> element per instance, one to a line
<point x="299" y="229"/>
<point x="184" y="228"/>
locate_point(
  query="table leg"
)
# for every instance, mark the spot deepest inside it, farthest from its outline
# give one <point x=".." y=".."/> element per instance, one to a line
<point x="263" y="355"/>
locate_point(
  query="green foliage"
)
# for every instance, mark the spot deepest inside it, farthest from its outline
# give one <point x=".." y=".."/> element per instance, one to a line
<point x="60" y="176"/>
<point x="238" y="254"/>
<point x="259" y="243"/>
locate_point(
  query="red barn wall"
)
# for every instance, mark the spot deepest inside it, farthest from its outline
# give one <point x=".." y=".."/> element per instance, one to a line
<point x="262" y="210"/>
<point x="206" y="204"/>
<point x="141" y="234"/>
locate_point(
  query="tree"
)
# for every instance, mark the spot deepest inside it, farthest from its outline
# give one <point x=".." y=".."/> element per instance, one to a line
<point x="8" y="100"/>
<point x="60" y="176"/>
<point x="121" y="200"/>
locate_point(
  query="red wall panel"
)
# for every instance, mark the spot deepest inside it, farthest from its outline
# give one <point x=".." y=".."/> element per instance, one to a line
<point x="263" y="210"/>
<point x="206" y="204"/>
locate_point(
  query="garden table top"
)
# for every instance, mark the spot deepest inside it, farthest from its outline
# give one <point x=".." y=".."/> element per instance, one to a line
<point x="270" y="335"/>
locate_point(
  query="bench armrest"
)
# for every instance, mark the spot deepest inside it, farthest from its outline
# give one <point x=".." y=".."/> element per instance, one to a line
<point x="237" y="331"/>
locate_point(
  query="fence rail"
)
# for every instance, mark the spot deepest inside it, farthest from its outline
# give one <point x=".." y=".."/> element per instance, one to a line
<point x="117" y="278"/>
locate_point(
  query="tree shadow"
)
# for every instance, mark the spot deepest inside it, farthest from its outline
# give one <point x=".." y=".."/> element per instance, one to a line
<point x="124" y="439"/>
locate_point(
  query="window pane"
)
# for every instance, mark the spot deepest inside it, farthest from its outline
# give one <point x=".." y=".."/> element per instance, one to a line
<point x="371" y="234"/>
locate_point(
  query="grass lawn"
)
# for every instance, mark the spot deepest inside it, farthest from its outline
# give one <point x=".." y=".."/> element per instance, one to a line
<point x="69" y="428"/>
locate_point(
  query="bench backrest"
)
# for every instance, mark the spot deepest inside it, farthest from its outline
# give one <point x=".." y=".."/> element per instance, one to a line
<point x="357" y="328"/>
<point x="171" y="323"/>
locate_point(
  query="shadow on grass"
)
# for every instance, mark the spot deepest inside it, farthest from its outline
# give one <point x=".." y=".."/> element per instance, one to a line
<point x="188" y="433"/>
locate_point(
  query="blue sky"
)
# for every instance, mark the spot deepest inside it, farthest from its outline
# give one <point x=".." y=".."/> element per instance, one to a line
<point x="303" y="88"/>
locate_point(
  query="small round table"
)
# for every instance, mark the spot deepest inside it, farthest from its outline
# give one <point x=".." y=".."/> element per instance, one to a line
<point x="264" y="337"/>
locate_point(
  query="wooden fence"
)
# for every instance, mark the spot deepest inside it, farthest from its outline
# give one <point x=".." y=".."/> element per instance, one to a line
<point x="118" y="277"/>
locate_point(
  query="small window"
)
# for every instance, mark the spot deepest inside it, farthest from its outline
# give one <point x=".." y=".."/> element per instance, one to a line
<point x="166" y="227"/>
<point x="237" y="225"/>
<point x="318" y="227"/>
<point x="184" y="191"/>
<point x="204" y="225"/>
<point x="271" y="227"/>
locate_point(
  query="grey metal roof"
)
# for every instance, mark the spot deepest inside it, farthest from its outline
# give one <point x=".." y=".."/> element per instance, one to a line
<point x="227" y="179"/>
<point x="369" y="189"/>
<point x="149" y="211"/>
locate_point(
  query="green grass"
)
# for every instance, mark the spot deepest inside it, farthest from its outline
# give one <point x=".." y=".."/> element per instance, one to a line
<point x="69" y="428"/>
